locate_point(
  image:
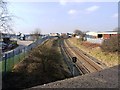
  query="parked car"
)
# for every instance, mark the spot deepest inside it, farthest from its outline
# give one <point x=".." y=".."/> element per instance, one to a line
<point x="3" y="45"/>
<point x="10" y="46"/>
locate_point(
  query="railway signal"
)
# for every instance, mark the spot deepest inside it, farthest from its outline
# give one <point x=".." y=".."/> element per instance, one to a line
<point x="74" y="59"/>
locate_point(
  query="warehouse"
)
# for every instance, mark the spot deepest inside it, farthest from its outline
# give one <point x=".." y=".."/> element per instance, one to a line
<point x="107" y="35"/>
<point x="98" y="37"/>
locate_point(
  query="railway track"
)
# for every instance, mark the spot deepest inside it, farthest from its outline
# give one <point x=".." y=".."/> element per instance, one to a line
<point x="84" y="63"/>
<point x="68" y="60"/>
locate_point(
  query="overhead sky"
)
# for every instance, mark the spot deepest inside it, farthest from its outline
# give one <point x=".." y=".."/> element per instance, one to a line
<point x="62" y="17"/>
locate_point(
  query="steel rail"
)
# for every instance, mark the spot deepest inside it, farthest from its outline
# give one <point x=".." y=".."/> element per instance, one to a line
<point x="88" y="66"/>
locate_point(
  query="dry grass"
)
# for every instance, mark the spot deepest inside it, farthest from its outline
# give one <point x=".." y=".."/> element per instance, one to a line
<point x="110" y="59"/>
<point x="43" y="65"/>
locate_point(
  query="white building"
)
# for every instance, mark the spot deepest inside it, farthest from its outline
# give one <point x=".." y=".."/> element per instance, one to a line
<point x="98" y="37"/>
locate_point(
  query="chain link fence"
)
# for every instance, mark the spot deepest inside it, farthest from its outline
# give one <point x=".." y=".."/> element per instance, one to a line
<point x="13" y="57"/>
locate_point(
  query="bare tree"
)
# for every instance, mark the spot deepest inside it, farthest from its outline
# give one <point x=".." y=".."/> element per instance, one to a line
<point x="78" y="32"/>
<point x="5" y="18"/>
<point x="36" y="34"/>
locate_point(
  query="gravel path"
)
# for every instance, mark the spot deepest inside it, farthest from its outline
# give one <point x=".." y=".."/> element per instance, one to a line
<point x="24" y="43"/>
<point x="107" y="78"/>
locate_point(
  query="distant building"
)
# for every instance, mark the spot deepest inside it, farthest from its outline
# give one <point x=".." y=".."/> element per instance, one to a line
<point x="77" y="36"/>
<point x="98" y="37"/>
<point x="107" y="35"/>
<point x="5" y="37"/>
<point x="69" y="34"/>
<point x="53" y="34"/>
<point x="21" y="36"/>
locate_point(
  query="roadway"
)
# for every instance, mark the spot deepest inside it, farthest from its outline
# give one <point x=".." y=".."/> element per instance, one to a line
<point x="24" y="46"/>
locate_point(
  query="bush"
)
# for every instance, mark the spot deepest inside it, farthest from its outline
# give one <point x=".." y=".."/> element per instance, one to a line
<point x="14" y="42"/>
<point x="110" y="45"/>
<point x="43" y="65"/>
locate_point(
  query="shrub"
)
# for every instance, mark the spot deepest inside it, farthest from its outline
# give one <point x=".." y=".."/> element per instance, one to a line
<point x="42" y="65"/>
<point x="110" y="45"/>
<point x="14" y="42"/>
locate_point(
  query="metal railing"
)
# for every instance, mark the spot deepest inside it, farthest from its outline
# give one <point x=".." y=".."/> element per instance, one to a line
<point x="13" y="57"/>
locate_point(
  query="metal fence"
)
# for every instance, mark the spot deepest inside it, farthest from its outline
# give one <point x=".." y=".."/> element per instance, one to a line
<point x="13" y="57"/>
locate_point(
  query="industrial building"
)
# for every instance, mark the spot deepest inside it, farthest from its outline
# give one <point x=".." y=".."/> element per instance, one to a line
<point x="98" y="37"/>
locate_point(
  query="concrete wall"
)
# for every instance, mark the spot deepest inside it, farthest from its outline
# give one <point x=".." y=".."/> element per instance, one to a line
<point x="95" y="40"/>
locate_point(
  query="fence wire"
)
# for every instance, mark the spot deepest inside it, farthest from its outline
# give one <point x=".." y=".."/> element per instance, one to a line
<point x="13" y="57"/>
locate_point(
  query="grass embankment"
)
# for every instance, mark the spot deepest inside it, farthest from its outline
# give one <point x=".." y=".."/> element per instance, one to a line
<point x="110" y="59"/>
<point x="10" y="62"/>
<point x="44" y="64"/>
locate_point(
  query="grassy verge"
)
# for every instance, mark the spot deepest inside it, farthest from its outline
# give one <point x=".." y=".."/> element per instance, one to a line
<point x="10" y="62"/>
<point x="62" y="61"/>
<point x="110" y="59"/>
<point x="44" y="64"/>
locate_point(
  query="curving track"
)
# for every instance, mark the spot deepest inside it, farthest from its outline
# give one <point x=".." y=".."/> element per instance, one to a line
<point x="84" y="63"/>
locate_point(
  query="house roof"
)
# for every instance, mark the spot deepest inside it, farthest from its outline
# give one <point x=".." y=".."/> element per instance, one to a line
<point x="106" y="32"/>
<point x="92" y="33"/>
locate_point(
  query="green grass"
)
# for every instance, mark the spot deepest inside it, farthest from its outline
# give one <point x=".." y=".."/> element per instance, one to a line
<point x="2" y="62"/>
<point x="11" y="62"/>
<point x="44" y="64"/>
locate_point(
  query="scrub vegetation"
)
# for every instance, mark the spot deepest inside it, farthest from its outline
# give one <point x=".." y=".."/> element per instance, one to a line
<point x="110" y="45"/>
<point x="95" y="50"/>
<point x="44" y="64"/>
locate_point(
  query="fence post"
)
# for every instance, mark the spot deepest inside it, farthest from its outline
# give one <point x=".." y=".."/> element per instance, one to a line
<point x="5" y="63"/>
<point x="13" y="58"/>
<point x="24" y="52"/>
<point x="19" y="55"/>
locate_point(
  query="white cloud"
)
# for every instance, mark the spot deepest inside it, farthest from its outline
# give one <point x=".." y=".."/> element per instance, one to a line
<point x="92" y="9"/>
<point x="85" y="11"/>
<point x="63" y="2"/>
<point x="115" y="15"/>
<point x="72" y="11"/>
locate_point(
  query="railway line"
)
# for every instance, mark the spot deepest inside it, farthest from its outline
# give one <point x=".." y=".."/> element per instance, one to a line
<point x="84" y="63"/>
